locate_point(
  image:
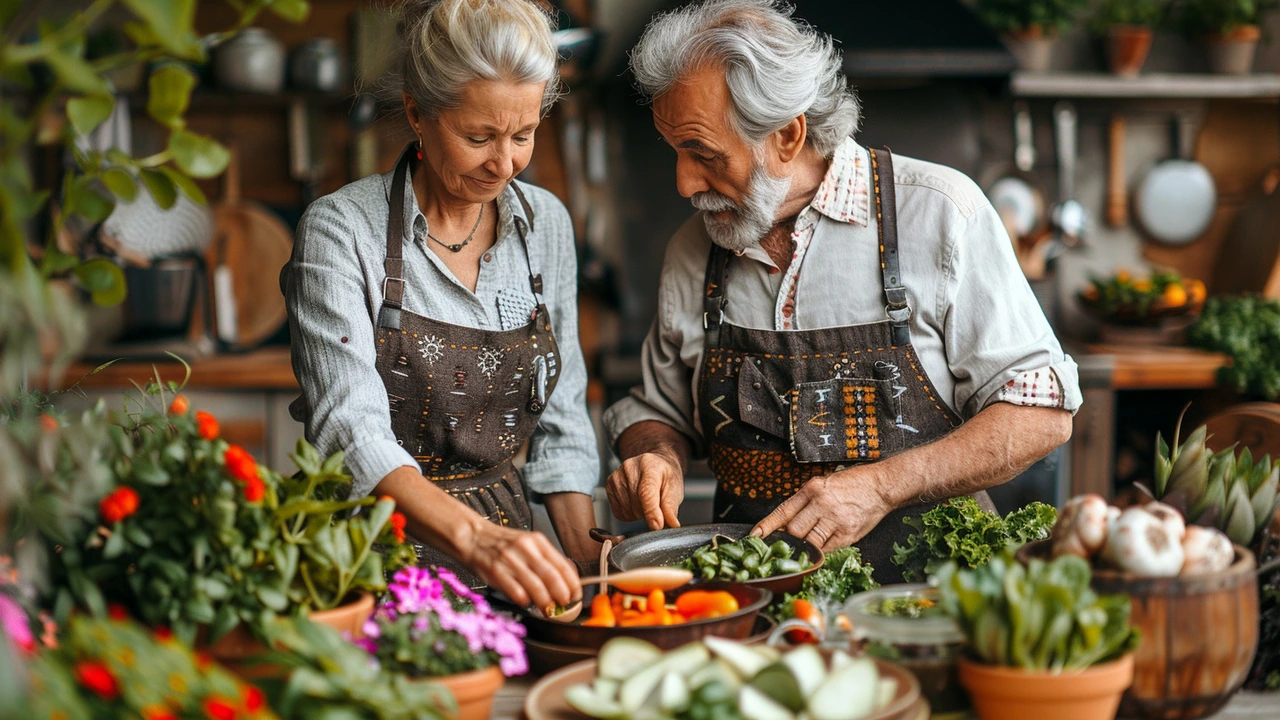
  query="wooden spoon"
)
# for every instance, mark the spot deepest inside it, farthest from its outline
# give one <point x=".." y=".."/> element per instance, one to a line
<point x="636" y="581"/>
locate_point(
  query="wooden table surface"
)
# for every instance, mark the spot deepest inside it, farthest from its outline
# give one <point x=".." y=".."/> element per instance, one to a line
<point x="509" y="703"/>
<point x="264" y="369"/>
<point x="1152" y="367"/>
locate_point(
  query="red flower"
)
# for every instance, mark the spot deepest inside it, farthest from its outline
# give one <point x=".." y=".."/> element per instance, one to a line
<point x="120" y="504"/>
<point x="397" y="526"/>
<point x="219" y="709"/>
<point x="240" y="463"/>
<point x="253" y="699"/>
<point x="48" y="423"/>
<point x="203" y="661"/>
<point x="254" y="489"/>
<point x="157" y="712"/>
<point x="116" y="611"/>
<point x="207" y="425"/>
<point x="98" y="678"/>
<point x="163" y="634"/>
<point x="180" y="406"/>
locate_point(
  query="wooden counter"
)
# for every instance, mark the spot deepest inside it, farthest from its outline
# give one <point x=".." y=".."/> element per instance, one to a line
<point x="265" y="369"/>
<point x="1151" y="367"/>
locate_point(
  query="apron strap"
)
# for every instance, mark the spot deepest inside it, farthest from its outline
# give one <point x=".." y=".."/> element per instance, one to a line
<point x="535" y="281"/>
<point x="895" y="293"/>
<point x="393" y="283"/>
<point x="713" y="297"/>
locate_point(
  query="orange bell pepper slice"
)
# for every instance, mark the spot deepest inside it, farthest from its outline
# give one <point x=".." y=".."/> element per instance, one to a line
<point x="698" y="604"/>
<point x="601" y="613"/>
<point x="657" y="607"/>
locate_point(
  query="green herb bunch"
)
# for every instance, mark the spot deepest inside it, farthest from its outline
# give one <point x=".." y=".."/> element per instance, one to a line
<point x="1142" y="13"/>
<point x="1040" y="617"/>
<point x="960" y="530"/>
<point x="1247" y="329"/>
<point x="1014" y="16"/>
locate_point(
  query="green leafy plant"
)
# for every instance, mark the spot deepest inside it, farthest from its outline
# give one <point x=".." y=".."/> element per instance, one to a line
<point x="843" y="574"/>
<point x="1042" y="616"/>
<point x="1247" y="329"/>
<point x="960" y="530"/>
<point x="1123" y="299"/>
<point x="1222" y="489"/>
<point x="1018" y="16"/>
<point x="1143" y="13"/>
<point x="108" y="668"/>
<point x="1200" y="17"/>
<point x="329" y="677"/>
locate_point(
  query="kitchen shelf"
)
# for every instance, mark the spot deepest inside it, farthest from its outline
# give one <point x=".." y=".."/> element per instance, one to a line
<point x="1154" y="85"/>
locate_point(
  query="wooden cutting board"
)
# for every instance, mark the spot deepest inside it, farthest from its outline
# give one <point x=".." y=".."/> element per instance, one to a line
<point x="253" y="245"/>
<point x="1249" y="261"/>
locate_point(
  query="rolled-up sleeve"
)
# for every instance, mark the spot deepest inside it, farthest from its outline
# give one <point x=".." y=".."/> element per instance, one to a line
<point x="333" y="348"/>
<point x="995" y="331"/>
<point x="563" y="456"/>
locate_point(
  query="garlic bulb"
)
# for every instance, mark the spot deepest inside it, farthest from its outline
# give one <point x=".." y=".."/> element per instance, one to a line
<point x="1169" y="517"/>
<point x="1140" y="543"/>
<point x="1206" y="550"/>
<point x="1081" y="528"/>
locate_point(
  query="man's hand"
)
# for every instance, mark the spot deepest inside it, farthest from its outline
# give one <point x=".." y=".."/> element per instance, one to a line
<point x="830" y="512"/>
<point x="648" y="486"/>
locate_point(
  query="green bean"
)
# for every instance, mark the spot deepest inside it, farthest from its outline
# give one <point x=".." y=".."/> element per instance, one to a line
<point x="708" y="572"/>
<point x="787" y="565"/>
<point x="734" y="551"/>
<point x="757" y="545"/>
<point x="742" y="575"/>
<point x="751" y="562"/>
<point x="766" y="569"/>
<point x="781" y="549"/>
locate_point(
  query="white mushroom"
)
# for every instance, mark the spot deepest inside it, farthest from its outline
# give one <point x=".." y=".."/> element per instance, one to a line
<point x="1169" y="517"/>
<point x="1081" y="528"/>
<point x="1207" y="550"/>
<point x="1140" y="543"/>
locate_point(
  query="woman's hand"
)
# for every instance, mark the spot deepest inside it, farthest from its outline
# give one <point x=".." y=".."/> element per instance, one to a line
<point x="523" y="565"/>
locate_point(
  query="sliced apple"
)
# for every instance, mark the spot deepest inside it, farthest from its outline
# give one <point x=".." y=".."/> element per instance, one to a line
<point x="622" y="657"/>
<point x="742" y="658"/>
<point x="755" y="705"/>
<point x="848" y="693"/>
<point x="807" y="666"/>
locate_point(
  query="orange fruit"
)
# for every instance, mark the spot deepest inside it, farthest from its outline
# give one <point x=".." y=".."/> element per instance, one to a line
<point x="1122" y="276"/>
<point x="1196" y="289"/>
<point x="1174" y="295"/>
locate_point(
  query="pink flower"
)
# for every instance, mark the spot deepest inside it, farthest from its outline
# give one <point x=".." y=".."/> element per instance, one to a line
<point x="14" y="621"/>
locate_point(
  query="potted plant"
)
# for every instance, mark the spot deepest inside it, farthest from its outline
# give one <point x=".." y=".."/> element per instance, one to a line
<point x="1127" y="27"/>
<point x="433" y="626"/>
<point x="1030" y="27"/>
<point x="1230" y="31"/>
<point x="1041" y="643"/>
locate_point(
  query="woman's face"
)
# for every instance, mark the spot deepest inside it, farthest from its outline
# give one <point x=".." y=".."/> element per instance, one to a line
<point x="478" y="148"/>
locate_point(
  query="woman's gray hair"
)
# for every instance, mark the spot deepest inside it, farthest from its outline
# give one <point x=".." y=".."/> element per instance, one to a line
<point x="777" y="68"/>
<point x="449" y="43"/>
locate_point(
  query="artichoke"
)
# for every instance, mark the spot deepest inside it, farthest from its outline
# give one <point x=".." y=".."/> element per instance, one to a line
<point x="1219" y="489"/>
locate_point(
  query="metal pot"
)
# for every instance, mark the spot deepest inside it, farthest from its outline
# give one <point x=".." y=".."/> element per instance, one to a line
<point x="318" y="65"/>
<point x="161" y="297"/>
<point x="253" y="61"/>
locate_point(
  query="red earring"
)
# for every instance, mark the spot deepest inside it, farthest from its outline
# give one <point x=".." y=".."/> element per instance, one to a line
<point x="419" y="149"/>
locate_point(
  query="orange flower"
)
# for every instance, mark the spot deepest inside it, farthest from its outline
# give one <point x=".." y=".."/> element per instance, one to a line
<point x="98" y="678"/>
<point x="397" y="526"/>
<point x="219" y="709"/>
<point x="48" y="423"/>
<point x="157" y="712"/>
<point x="240" y="463"/>
<point x="203" y="661"/>
<point x="207" y="425"/>
<point x="254" y="489"/>
<point x="120" y="504"/>
<point x="180" y="406"/>
<point x="163" y="634"/>
<point x="253" y="699"/>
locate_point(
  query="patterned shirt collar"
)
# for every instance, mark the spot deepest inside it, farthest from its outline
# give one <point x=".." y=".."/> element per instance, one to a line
<point x="844" y="194"/>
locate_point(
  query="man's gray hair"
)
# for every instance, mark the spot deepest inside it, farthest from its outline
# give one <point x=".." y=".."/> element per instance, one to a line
<point x="777" y="68"/>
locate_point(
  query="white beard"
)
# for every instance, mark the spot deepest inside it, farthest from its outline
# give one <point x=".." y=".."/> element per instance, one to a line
<point x="746" y="224"/>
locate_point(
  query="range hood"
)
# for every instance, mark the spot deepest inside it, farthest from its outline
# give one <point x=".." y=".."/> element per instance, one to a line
<point x="910" y="38"/>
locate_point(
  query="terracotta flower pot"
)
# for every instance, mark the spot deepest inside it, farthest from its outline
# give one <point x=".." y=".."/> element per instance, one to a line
<point x="1232" y="52"/>
<point x="1032" y="47"/>
<point x="238" y="646"/>
<point x="1005" y="693"/>
<point x="474" y="691"/>
<point x="1127" y="49"/>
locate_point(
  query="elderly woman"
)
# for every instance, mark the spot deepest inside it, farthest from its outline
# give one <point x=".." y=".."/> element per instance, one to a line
<point x="433" y="311"/>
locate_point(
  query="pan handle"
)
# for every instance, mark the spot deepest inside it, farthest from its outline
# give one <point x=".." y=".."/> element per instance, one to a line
<point x="1064" y="122"/>
<point x="600" y="534"/>
<point x="1183" y="135"/>
<point x="1024" y="151"/>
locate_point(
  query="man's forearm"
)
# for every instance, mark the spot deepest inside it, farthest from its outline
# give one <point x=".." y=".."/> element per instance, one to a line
<point x="651" y="436"/>
<point x="573" y="515"/>
<point x="990" y="449"/>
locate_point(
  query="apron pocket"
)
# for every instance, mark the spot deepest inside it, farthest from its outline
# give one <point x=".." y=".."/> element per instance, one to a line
<point x="758" y="404"/>
<point x="844" y="420"/>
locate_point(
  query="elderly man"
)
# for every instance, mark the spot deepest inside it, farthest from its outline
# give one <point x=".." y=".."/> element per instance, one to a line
<point x="845" y="332"/>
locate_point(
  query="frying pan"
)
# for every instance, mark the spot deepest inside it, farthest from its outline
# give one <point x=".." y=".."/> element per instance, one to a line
<point x="735" y="626"/>
<point x="672" y="545"/>
<point x="1177" y="198"/>
<point x="1014" y="194"/>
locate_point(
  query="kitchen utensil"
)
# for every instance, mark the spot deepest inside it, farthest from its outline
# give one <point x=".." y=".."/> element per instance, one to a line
<point x="250" y="248"/>
<point x="253" y="61"/>
<point x="1177" y="198"/>
<point x="318" y="65"/>
<point x="735" y="625"/>
<point x="643" y="579"/>
<point x="672" y="545"/>
<point x="545" y="700"/>
<point x="306" y="147"/>
<point x="161" y="297"/>
<point x="1014" y="194"/>
<point x="1250" y="258"/>
<point x="1117" y="190"/>
<point x="1069" y="216"/>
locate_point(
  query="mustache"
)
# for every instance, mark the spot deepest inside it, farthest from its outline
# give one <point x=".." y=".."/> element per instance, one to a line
<point x="712" y="201"/>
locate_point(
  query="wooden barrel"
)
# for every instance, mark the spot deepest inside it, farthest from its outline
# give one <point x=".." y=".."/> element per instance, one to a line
<point x="1252" y="425"/>
<point x="1199" y="636"/>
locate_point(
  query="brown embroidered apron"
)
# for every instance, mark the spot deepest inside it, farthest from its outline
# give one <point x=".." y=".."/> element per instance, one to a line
<point x="780" y="407"/>
<point x="464" y="400"/>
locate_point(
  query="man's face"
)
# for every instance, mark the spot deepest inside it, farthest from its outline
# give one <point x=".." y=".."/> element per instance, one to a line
<point x="717" y="170"/>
